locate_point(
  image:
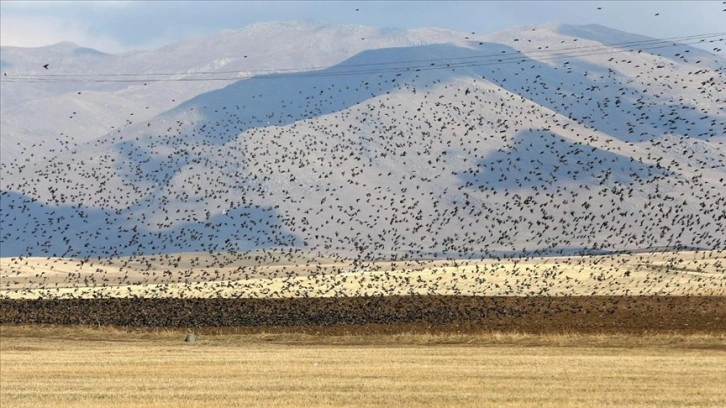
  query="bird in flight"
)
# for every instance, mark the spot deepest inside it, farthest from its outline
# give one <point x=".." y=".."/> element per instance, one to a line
<point x="46" y="66"/>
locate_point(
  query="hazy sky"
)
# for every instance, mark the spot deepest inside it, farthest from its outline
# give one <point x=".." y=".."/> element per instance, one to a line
<point x="116" y="26"/>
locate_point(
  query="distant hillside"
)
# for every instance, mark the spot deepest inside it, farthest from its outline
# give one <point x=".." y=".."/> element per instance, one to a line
<point x="130" y="87"/>
<point x="398" y="144"/>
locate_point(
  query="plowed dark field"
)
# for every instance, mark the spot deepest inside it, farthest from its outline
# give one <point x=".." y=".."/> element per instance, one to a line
<point x="592" y="314"/>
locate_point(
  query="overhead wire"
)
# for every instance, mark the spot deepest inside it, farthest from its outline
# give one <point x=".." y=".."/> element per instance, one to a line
<point x="344" y="69"/>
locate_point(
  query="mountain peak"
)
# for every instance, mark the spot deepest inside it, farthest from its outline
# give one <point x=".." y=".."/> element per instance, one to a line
<point x="62" y="46"/>
<point x="368" y="142"/>
<point x="69" y="47"/>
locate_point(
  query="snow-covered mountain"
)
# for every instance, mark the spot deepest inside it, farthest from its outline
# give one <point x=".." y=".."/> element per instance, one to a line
<point x="369" y="143"/>
<point x="118" y="89"/>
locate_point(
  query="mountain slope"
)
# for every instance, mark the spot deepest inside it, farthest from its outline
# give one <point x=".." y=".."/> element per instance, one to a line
<point x="464" y="149"/>
<point x="138" y="82"/>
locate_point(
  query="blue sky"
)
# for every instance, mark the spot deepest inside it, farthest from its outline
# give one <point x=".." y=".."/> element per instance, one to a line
<point x="117" y="26"/>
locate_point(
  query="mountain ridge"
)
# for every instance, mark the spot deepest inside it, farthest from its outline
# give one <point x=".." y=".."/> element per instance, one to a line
<point x="466" y="149"/>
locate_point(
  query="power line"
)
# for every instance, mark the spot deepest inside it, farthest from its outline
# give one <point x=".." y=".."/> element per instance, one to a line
<point x="504" y="57"/>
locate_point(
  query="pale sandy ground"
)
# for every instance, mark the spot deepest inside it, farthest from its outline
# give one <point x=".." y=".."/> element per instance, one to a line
<point x="282" y="275"/>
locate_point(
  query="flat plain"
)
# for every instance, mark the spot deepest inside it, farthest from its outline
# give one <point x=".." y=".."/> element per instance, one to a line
<point x="418" y="334"/>
<point x="73" y="366"/>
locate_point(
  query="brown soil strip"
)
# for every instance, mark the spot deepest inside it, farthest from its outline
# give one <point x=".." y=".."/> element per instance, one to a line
<point x="361" y="315"/>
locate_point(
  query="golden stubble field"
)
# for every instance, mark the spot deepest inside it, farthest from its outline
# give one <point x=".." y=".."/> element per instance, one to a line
<point x="83" y="366"/>
<point x="55" y="366"/>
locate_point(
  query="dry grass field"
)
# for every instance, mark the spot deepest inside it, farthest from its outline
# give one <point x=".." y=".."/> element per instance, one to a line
<point x="637" y="330"/>
<point x="56" y="366"/>
<point x="280" y="275"/>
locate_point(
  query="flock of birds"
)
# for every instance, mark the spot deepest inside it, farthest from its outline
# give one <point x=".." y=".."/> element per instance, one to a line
<point x="294" y="274"/>
<point x="291" y="176"/>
